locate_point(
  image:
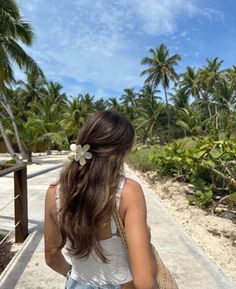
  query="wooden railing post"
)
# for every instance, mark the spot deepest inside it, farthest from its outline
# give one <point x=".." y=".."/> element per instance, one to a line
<point x="21" y="204"/>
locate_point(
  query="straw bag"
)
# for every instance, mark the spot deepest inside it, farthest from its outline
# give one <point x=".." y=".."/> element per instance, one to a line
<point x="164" y="279"/>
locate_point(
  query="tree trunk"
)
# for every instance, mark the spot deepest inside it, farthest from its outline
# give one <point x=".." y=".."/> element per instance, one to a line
<point x="217" y="117"/>
<point x="209" y="110"/>
<point x="22" y="149"/>
<point x="185" y="134"/>
<point x="168" y="113"/>
<point x="49" y="152"/>
<point x="30" y="157"/>
<point x="198" y="111"/>
<point x="28" y="152"/>
<point x="8" y="144"/>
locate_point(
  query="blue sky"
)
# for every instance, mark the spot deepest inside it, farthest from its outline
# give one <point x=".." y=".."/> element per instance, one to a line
<point x="96" y="45"/>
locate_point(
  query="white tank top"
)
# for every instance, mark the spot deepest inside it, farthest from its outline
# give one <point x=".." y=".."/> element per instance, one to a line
<point x="91" y="270"/>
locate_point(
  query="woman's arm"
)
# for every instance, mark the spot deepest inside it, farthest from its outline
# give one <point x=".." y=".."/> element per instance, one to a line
<point x="52" y="237"/>
<point x="138" y="236"/>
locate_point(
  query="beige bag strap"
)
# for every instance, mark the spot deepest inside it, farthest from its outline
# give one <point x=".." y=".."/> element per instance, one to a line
<point x="164" y="278"/>
<point x="120" y="226"/>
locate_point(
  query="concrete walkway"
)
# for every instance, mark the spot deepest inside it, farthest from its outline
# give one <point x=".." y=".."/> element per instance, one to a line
<point x="190" y="266"/>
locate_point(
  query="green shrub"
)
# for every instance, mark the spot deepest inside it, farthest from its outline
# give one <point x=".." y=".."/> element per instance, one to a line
<point x="206" y="166"/>
<point x="11" y="162"/>
<point x="202" y="199"/>
<point x="206" y="163"/>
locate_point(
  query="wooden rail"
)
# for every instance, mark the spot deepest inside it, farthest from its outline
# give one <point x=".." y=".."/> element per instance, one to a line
<point x="20" y="198"/>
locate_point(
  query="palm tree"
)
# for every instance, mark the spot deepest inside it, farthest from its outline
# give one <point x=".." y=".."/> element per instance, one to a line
<point x="54" y="93"/>
<point x="33" y="89"/>
<point x="86" y="106"/>
<point x="161" y="71"/>
<point x="180" y="98"/>
<point x="6" y="139"/>
<point x="128" y="97"/>
<point x="45" y="125"/>
<point x="190" y="82"/>
<point x="148" y="90"/>
<point x="225" y="104"/>
<point x="76" y="113"/>
<point x="225" y="95"/>
<point x="209" y="76"/>
<point x="71" y="118"/>
<point x="12" y="30"/>
<point x="128" y="102"/>
<point x="148" y="113"/>
<point x="231" y="75"/>
<point x="5" y="104"/>
<point x="100" y="104"/>
<point x="114" y="105"/>
<point x="188" y="121"/>
<point x="86" y="99"/>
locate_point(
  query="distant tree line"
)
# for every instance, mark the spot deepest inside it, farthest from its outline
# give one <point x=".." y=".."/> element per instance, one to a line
<point x="37" y="112"/>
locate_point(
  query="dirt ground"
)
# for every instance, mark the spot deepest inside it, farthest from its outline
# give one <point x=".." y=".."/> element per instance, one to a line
<point x="7" y="251"/>
<point x="215" y="235"/>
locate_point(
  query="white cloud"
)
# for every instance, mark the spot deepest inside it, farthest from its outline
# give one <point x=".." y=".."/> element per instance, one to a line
<point x="160" y="17"/>
<point x="100" y="41"/>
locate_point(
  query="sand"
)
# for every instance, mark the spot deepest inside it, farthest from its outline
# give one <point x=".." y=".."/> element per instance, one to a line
<point x="215" y="235"/>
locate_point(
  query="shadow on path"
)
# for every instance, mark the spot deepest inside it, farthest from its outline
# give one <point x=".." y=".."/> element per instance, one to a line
<point x="30" y="245"/>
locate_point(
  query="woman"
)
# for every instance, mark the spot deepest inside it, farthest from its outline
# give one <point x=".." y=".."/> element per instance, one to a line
<point x="79" y="212"/>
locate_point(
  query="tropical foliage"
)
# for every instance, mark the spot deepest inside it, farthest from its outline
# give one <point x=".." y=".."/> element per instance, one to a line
<point x="13" y="29"/>
<point x="208" y="164"/>
<point x="198" y="103"/>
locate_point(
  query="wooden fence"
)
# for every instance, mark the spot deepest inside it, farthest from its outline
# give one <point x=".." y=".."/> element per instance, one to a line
<point x="20" y="199"/>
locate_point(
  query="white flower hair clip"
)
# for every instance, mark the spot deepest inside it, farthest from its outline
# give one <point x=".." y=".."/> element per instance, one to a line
<point x="79" y="153"/>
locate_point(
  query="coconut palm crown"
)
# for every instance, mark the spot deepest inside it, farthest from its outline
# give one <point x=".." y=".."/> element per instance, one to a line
<point x="161" y="67"/>
<point x="161" y="70"/>
<point x="13" y="29"/>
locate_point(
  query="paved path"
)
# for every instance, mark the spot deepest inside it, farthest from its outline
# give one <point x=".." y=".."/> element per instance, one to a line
<point x="191" y="267"/>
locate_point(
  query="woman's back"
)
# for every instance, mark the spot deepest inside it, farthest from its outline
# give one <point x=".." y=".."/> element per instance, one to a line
<point x="91" y="270"/>
<point x="88" y="190"/>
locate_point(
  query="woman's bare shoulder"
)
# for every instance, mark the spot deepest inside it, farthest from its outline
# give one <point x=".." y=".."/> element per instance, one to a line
<point x="50" y="194"/>
<point x="50" y="198"/>
<point x="53" y="185"/>
<point x="132" y="190"/>
<point x="132" y="184"/>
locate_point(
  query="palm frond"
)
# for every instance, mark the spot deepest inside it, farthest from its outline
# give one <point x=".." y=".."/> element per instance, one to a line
<point x="6" y="71"/>
<point x="24" y="32"/>
<point x="10" y="7"/>
<point x="17" y="53"/>
<point x="147" y="60"/>
<point x="7" y="24"/>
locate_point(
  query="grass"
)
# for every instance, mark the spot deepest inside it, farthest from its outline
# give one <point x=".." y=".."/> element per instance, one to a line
<point x="139" y="158"/>
<point x="1" y="236"/>
<point x="188" y="142"/>
<point x="5" y="253"/>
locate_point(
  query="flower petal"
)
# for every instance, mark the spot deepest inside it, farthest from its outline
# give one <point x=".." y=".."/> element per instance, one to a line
<point x="82" y="161"/>
<point x="88" y="155"/>
<point x="77" y="156"/>
<point x="86" y="147"/>
<point x="71" y="156"/>
<point x="78" y="148"/>
<point x="73" y="147"/>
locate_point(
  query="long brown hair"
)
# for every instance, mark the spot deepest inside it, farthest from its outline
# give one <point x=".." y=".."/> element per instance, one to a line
<point x="88" y="191"/>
